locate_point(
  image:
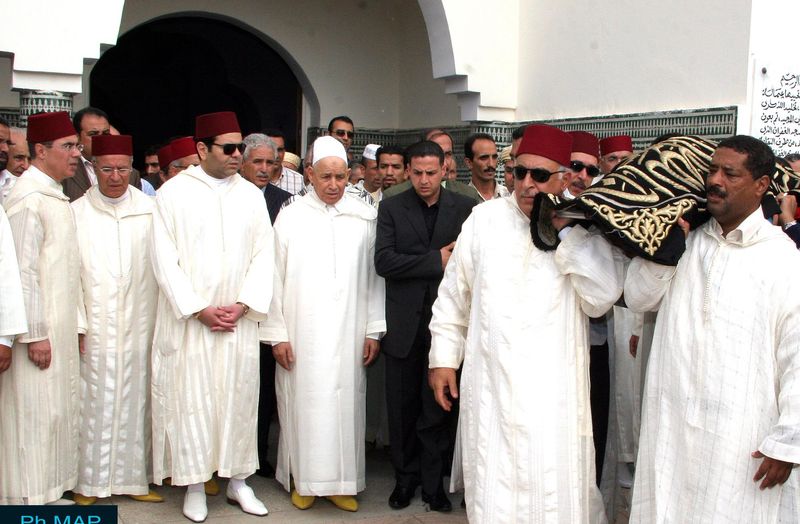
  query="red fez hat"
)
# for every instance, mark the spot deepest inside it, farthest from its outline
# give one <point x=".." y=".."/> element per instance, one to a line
<point x="182" y="147"/>
<point x="583" y="142"/>
<point x="213" y="124"/>
<point x="165" y="157"/>
<point x="112" y="145"/>
<point x="615" y="143"/>
<point x="46" y="127"/>
<point x="547" y="141"/>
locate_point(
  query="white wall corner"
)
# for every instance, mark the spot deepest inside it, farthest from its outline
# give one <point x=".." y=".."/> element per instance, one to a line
<point x="50" y="41"/>
<point x="467" y="52"/>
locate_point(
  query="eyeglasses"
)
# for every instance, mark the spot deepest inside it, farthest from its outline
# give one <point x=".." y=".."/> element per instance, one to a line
<point x="341" y="133"/>
<point x="538" y="174"/>
<point x="578" y="166"/>
<point x="69" y="146"/>
<point x="228" y="149"/>
<point x="110" y="170"/>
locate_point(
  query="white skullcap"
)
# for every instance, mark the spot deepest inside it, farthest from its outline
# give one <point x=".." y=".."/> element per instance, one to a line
<point x="326" y="146"/>
<point x="370" y="151"/>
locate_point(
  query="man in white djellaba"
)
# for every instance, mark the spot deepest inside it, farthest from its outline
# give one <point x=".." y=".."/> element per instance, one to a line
<point x="324" y="324"/>
<point x="721" y="409"/>
<point x="213" y="259"/>
<point x="119" y="297"/>
<point x="12" y="306"/>
<point x="39" y="410"/>
<point x="524" y="446"/>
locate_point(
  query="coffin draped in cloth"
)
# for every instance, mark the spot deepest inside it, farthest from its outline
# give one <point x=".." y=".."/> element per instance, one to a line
<point x="639" y="203"/>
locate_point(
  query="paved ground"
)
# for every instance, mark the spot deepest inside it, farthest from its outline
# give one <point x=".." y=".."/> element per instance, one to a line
<point x="373" y="504"/>
<point x="373" y="507"/>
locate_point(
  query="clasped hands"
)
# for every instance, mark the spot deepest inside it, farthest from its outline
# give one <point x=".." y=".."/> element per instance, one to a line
<point x="222" y="318"/>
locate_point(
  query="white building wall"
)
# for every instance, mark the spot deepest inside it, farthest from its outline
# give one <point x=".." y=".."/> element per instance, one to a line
<point x="592" y="57"/>
<point x="47" y="42"/>
<point x="506" y="60"/>
<point x="422" y="99"/>
<point x="356" y="55"/>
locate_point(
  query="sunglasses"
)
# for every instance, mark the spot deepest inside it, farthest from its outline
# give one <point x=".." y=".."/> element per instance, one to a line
<point x="538" y="174"/>
<point x="228" y="149"/>
<point x="578" y="166"/>
<point x="342" y="133"/>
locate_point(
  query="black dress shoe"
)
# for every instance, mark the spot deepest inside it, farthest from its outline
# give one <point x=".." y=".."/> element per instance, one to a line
<point x="266" y="470"/>
<point x="438" y="502"/>
<point x="401" y="496"/>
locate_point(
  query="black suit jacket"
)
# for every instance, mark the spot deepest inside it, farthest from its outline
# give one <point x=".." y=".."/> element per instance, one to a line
<point x="74" y="187"/>
<point x="275" y="198"/>
<point x="410" y="263"/>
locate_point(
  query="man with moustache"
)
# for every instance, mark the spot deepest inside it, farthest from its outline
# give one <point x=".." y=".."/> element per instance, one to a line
<point x="39" y="392"/>
<point x="19" y="159"/>
<point x="258" y="163"/>
<point x="583" y="162"/>
<point x="525" y="434"/>
<point x="324" y="270"/>
<point x="416" y="234"/>
<point x="720" y="426"/>
<point x="391" y="166"/>
<point x="214" y="289"/>
<point x="480" y="156"/>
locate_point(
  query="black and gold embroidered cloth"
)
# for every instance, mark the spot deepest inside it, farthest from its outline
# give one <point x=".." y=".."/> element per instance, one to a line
<point x="639" y="203"/>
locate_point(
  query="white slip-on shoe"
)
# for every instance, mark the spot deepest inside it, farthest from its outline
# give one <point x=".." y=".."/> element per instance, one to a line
<point x="245" y="497"/>
<point x="194" y="506"/>
<point x="61" y="502"/>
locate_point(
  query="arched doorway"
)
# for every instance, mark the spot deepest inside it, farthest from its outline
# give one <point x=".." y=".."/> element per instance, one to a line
<point x="161" y="74"/>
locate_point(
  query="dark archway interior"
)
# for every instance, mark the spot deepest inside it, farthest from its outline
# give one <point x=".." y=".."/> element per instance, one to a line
<point x="162" y="74"/>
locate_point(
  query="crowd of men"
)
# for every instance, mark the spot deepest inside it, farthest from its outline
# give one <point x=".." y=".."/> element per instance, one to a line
<point x="153" y="324"/>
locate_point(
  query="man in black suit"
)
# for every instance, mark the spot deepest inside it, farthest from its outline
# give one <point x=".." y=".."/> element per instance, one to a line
<point x="416" y="235"/>
<point x="258" y="162"/>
